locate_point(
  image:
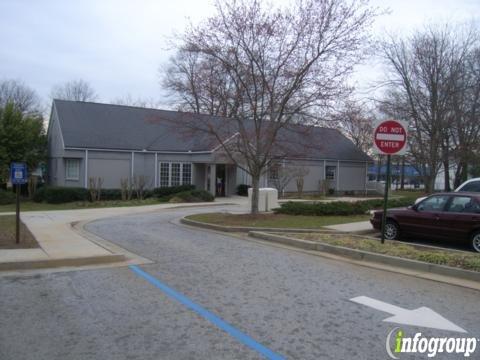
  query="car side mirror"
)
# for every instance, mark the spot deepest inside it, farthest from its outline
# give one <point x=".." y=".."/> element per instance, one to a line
<point x="412" y="207"/>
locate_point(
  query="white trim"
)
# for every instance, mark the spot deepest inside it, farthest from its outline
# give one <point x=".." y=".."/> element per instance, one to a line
<point x="141" y="151"/>
<point x="332" y="160"/>
<point x="338" y="175"/>
<point x="133" y="165"/>
<point x="205" y="152"/>
<point x="226" y="141"/>
<point x="156" y="171"/>
<point x="86" y="168"/>
<point x="180" y="181"/>
<point x="77" y="178"/>
<point x="169" y="174"/>
<point x="366" y="179"/>
<point x="54" y="109"/>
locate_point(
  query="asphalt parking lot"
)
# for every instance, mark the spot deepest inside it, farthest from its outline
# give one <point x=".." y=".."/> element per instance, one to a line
<point x="214" y="296"/>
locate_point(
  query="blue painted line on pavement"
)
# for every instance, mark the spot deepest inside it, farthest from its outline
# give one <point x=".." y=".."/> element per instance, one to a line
<point x="240" y="336"/>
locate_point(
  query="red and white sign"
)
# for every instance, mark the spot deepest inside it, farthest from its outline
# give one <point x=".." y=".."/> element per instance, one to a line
<point x="390" y="137"/>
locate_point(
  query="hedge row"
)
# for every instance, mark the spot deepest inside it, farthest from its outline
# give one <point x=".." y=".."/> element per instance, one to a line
<point x="167" y="191"/>
<point x="6" y="197"/>
<point x="192" y="196"/>
<point x="338" y="207"/>
<point x="59" y="195"/>
<point x="242" y="189"/>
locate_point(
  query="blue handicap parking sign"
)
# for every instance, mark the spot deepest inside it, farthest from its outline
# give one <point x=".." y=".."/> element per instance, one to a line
<point x="18" y="173"/>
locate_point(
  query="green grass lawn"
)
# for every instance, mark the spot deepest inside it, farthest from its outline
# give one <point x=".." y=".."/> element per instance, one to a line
<point x="33" y="206"/>
<point x="275" y="220"/>
<point x="454" y="258"/>
<point x="7" y="234"/>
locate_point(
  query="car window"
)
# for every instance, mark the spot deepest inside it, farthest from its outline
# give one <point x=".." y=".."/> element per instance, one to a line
<point x="433" y="203"/>
<point x="473" y="186"/>
<point x="463" y="204"/>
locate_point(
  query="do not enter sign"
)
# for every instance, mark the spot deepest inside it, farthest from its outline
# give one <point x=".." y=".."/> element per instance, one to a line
<point x="390" y="137"/>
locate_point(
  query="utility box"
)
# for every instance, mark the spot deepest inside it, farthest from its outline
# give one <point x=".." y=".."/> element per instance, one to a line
<point x="267" y="199"/>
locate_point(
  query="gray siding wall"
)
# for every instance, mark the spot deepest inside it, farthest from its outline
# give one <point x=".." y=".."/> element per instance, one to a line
<point x="198" y="174"/>
<point x="55" y="151"/>
<point x="109" y="166"/>
<point x="311" y="181"/>
<point x="352" y="176"/>
<point x="144" y="165"/>
<point x="231" y="180"/>
<point x="349" y="176"/>
<point x="112" y="166"/>
<point x="60" y="169"/>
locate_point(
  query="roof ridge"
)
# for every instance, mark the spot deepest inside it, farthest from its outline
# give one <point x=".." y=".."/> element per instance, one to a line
<point x="138" y="107"/>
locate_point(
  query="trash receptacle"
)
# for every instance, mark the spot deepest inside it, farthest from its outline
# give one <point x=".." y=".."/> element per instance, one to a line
<point x="267" y="199"/>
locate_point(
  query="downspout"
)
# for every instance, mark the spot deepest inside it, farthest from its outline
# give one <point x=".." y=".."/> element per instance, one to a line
<point x="338" y="176"/>
<point x="325" y="185"/>
<point x="156" y="171"/>
<point x="86" y="168"/>
<point x="133" y="164"/>
<point x="366" y="178"/>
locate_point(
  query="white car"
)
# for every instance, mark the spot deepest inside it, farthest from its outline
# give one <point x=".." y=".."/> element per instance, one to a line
<point x="472" y="185"/>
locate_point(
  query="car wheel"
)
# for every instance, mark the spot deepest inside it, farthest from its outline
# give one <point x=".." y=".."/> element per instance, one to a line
<point x="392" y="231"/>
<point x="476" y="241"/>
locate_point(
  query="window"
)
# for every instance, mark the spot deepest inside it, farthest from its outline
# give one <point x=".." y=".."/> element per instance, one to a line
<point x="463" y="204"/>
<point x="330" y="172"/>
<point x="72" y="169"/>
<point x="473" y="186"/>
<point x="175" y="176"/>
<point x="273" y="172"/>
<point x="186" y="174"/>
<point x="434" y="203"/>
<point x="164" y="174"/>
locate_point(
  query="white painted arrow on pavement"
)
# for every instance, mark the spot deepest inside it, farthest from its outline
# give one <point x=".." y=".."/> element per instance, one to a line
<point x="422" y="316"/>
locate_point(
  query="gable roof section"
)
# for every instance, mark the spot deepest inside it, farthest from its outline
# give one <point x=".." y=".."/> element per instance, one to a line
<point x="117" y="127"/>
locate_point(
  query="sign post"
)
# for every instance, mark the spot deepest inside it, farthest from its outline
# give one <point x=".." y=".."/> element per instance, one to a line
<point x="18" y="176"/>
<point x="389" y="138"/>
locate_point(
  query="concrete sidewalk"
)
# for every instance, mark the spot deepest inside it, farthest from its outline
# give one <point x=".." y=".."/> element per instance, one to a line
<point x="63" y="245"/>
<point x="355" y="227"/>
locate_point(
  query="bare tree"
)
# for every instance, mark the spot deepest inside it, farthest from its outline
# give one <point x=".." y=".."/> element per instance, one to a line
<point x="424" y="71"/>
<point x="355" y="121"/>
<point x="198" y="84"/>
<point x="278" y="65"/>
<point x="139" y="183"/>
<point x="24" y="98"/>
<point x="281" y="174"/>
<point x="128" y="100"/>
<point x="75" y="90"/>
<point x="126" y="188"/>
<point x="465" y="128"/>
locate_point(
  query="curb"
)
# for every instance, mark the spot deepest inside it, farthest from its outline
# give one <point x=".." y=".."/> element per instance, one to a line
<point x="360" y="255"/>
<point x="65" y="262"/>
<point x="249" y="229"/>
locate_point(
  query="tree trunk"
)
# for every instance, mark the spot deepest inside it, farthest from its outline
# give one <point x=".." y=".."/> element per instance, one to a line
<point x="458" y="175"/>
<point x="397" y="173"/>
<point x="446" y="170"/>
<point x="402" y="174"/>
<point x="379" y="165"/>
<point x="255" y="193"/>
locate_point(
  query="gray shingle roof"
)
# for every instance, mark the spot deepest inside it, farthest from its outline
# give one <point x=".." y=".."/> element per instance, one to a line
<point x="106" y="126"/>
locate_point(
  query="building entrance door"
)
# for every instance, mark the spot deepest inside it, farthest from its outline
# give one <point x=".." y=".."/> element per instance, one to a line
<point x="220" y="180"/>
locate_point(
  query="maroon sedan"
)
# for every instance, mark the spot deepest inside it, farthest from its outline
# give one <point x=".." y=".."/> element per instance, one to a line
<point x="442" y="216"/>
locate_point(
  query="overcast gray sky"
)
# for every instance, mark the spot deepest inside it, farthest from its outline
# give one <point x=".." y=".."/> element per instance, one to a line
<point x="118" y="45"/>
